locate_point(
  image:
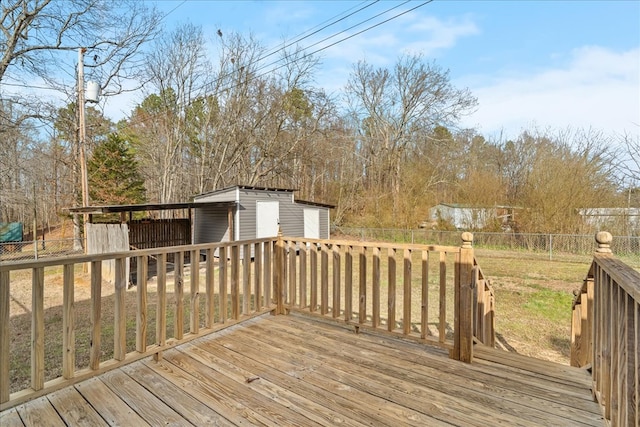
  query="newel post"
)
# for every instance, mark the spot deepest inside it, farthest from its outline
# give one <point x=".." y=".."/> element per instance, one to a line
<point x="463" y="301"/>
<point x="279" y="273"/>
<point x="603" y="239"/>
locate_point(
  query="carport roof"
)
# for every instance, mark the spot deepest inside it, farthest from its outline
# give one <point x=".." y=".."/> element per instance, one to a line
<point x="145" y="207"/>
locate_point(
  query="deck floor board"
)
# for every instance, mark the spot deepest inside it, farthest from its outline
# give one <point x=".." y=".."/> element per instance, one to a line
<point x="298" y="370"/>
<point x="509" y="399"/>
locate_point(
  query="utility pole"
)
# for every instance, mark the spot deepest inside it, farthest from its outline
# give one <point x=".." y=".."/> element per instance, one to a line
<point x="82" y="136"/>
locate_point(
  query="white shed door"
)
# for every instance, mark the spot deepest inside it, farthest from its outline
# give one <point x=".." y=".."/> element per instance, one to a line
<point x="267" y="214"/>
<point x="312" y="223"/>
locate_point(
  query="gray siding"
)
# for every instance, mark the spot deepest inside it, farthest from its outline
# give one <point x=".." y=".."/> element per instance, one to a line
<point x="292" y="219"/>
<point x="226" y="195"/>
<point x="324" y="219"/>
<point x="211" y="222"/>
<point x="324" y="222"/>
<point x="211" y="225"/>
<point x="247" y="210"/>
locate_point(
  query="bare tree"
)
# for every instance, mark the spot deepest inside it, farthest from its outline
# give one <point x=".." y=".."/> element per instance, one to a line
<point x="394" y="107"/>
<point x="630" y="165"/>
<point x="36" y="32"/>
<point x="177" y="69"/>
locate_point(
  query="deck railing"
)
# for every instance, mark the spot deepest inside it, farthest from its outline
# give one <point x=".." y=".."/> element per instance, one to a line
<point x="205" y="296"/>
<point x="605" y="334"/>
<point x="429" y="292"/>
<point x="436" y="294"/>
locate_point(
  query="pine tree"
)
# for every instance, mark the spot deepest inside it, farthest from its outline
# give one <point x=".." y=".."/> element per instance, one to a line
<point x="114" y="178"/>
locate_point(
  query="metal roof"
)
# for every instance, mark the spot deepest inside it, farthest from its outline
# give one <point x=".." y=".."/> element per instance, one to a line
<point x="306" y="202"/>
<point x="245" y="187"/>
<point x="145" y="207"/>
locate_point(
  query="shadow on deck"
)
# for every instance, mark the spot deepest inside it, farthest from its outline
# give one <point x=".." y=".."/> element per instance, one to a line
<point x="302" y="370"/>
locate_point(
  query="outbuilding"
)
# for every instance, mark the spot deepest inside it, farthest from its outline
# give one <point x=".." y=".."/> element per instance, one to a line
<point x="257" y="212"/>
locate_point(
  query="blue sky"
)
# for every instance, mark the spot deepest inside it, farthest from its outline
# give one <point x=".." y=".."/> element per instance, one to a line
<point x="543" y="64"/>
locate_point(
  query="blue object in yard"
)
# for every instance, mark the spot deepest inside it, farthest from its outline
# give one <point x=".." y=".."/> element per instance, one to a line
<point x="10" y="232"/>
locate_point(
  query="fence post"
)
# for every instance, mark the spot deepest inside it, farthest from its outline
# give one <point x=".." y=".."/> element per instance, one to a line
<point x="463" y="302"/>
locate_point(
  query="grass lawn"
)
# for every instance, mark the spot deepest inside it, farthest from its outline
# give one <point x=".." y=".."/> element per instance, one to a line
<point x="533" y="300"/>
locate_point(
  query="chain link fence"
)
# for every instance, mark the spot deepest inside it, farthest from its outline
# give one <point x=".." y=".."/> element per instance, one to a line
<point x="551" y="244"/>
<point x="32" y="250"/>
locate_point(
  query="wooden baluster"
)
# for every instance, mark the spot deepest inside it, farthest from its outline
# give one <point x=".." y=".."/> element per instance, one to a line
<point x="336" y="282"/>
<point x="442" y="312"/>
<point x="391" y="297"/>
<point x="324" y="280"/>
<point x="257" y="274"/>
<point x="37" y="329"/>
<point x="235" y="282"/>
<point x="406" y="294"/>
<point x="141" y="294"/>
<point x="96" y="307"/>
<point x="279" y="274"/>
<point x="304" y="249"/>
<point x="424" y="296"/>
<point x="246" y="279"/>
<point x="293" y="294"/>
<point x="222" y="283"/>
<point x="375" y="288"/>
<point x="161" y="308"/>
<point x="362" y="299"/>
<point x="120" y="310"/>
<point x="194" y="290"/>
<point x="313" y="286"/>
<point x="178" y="289"/>
<point x="209" y="280"/>
<point x="268" y="272"/>
<point x="68" y="323"/>
<point x="5" y="296"/>
<point x="348" y="283"/>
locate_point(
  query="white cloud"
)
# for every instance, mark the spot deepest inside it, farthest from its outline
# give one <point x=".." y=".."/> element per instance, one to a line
<point x="381" y="48"/>
<point x="426" y="35"/>
<point x="598" y="89"/>
<point x="432" y="34"/>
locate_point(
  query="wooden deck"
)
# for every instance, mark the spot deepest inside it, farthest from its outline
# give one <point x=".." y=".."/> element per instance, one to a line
<point x="299" y="370"/>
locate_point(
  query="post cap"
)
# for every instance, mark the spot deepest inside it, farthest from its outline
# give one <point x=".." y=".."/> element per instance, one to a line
<point x="467" y="239"/>
<point x="603" y="238"/>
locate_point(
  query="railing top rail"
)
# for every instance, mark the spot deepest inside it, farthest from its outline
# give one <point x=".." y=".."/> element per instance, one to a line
<point x="77" y="259"/>
<point x="367" y="244"/>
<point x="626" y="277"/>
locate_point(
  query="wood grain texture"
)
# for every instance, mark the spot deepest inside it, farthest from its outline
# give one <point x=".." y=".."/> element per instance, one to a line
<point x="39" y="413"/>
<point x="300" y="370"/>
<point x="68" y="323"/>
<point x="5" y="297"/>
<point x="37" y="329"/>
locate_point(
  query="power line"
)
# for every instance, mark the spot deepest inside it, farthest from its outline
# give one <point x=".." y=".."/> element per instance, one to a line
<point x="30" y="86"/>
<point x="297" y="40"/>
<point x="300" y="37"/>
<point x="344" y="31"/>
<point x="317" y="50"/>
<point x="172" y="10"/>
<point x="330" y="45"/>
